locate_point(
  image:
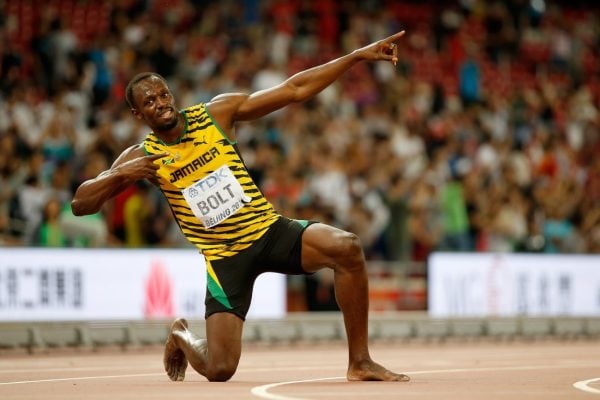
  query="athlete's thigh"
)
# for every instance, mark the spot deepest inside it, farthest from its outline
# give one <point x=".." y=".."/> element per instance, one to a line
<point x="322" y="245"/>
<point x="224" y="338"/>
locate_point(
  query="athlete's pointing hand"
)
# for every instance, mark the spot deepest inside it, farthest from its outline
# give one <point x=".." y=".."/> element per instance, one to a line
<point x="132" y="165"/>
<point x="143" y="167"/>
<point x="386" y="49"/>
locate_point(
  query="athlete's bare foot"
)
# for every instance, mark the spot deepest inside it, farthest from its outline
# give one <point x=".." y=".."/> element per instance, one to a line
<point x="173" y="359"/>
<point x="371" y="371"/>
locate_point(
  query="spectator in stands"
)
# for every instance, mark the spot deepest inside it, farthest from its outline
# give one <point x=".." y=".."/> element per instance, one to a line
<point x="49" y="232"/>
<point x="58" y="139"/>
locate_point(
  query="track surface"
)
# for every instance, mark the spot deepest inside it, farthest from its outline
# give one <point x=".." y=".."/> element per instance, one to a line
<point x="452" y="370"/>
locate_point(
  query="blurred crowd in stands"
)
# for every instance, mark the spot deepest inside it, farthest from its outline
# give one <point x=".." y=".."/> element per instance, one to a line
<point x="484" y="137"/>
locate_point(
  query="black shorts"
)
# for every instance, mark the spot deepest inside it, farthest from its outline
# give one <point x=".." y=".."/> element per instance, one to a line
<point x="278" y="250"/>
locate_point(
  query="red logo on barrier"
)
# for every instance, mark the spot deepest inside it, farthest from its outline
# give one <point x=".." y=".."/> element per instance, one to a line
<point x="159" y="293"/>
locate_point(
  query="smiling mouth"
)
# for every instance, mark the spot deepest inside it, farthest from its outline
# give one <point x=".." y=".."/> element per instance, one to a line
<point x="168" y="119"/>
<point x="167" y="113"/>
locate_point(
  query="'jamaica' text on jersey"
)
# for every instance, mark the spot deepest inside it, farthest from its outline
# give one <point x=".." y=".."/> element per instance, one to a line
<point x="194" y="165"/>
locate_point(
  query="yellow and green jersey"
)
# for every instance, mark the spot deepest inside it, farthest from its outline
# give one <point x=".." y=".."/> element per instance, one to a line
<point x="216" y="203"/>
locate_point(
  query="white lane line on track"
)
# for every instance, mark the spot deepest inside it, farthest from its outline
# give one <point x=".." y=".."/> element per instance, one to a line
<point x="66" y="369"/>
<point x="584" y="385"/>
<point x="263" y="391"/>
<point x="80" y="378"/>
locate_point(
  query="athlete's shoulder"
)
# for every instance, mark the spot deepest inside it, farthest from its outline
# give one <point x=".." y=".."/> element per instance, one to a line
<point x="226" y="102"/>
<point x="223" y="110"/>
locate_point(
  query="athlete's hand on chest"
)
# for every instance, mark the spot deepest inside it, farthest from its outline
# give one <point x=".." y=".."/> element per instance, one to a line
<point x="143" y="167"/>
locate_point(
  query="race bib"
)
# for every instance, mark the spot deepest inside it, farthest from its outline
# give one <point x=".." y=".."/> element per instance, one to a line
<point x="216" y="197"/>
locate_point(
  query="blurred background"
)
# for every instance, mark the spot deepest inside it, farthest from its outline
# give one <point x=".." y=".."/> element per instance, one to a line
<point x="483" y="139"/>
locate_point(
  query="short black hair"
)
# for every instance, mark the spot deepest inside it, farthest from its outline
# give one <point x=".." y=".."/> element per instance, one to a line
<point x="135" y="80"/>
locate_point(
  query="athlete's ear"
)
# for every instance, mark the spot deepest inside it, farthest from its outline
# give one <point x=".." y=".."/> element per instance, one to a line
<point x="136" y="113"/>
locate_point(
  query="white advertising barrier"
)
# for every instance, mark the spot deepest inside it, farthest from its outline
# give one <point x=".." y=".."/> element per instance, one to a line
<point x="484" y="284"/>
<point x="109" y="284"/>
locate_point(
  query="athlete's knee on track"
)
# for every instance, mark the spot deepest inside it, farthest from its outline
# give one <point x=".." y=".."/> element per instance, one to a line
<point x="221" y="372"/>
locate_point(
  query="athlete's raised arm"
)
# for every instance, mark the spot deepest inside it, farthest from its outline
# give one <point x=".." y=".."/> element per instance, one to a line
<point x="228" y="108"/>
<point x="132" y="165"/>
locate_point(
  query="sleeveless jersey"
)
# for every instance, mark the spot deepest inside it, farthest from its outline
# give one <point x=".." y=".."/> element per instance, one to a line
<point x="216" y="203"/>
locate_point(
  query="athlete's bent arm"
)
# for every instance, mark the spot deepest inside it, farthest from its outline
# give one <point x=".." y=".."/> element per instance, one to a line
<point x="231" y="107"/>
<point x="132" y="165"/>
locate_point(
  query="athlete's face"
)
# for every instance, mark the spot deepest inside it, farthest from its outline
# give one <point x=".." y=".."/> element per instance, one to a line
<point x="154" y="104"/>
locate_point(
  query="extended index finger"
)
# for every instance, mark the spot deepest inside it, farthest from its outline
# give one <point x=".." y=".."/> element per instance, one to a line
<point x="156" y="156"/>
<point x="394" y="37"/>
